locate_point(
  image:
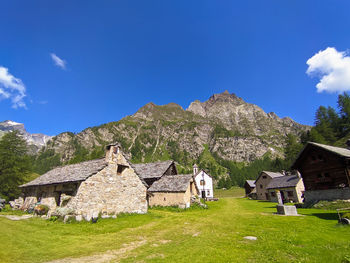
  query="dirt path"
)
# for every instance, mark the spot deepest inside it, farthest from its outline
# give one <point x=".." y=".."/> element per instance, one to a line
<point x="108" y="256"/>
<point x="16" y="218"/>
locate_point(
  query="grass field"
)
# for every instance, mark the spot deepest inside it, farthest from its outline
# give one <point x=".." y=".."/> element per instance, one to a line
<point x="195" y="235"/>
<point x="232" y="192"/>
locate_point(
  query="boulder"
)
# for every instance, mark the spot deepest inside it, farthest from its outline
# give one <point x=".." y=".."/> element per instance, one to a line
<point x="2" y="203"/>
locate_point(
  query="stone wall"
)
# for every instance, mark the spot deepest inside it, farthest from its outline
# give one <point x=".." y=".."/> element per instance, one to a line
<point x="181" y="199"/>
<point x="109" y="193"/>
<point x="329" y="194"/>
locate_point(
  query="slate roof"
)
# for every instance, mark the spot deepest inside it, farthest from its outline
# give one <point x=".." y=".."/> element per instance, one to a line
<point x="338" y="150"/>
<point x="69" y="173"/>
<point x="284" y="182"/>
<point x="343" y="152"/>
<point x="151" y="170"/>
<point x="273" y="174"/>
<point x="171" y="183"/>
<point x="251" y="183"/>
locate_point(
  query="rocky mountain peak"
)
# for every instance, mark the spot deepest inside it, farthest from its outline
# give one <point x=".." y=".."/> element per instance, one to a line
<point x="37" y="140"/>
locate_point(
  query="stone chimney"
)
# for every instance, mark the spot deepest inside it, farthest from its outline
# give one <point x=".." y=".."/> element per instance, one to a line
<point x="195" y="169"/>
<point x="112" y="151"/>
<point x="348" y="144"/>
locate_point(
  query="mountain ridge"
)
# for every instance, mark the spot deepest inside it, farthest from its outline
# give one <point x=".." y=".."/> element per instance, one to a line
<point x="229" y="127"/>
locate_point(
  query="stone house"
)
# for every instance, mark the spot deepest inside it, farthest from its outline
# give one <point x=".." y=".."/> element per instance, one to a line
<point x="262" y="182"/>
<point x="108" y="186"/>
<point x="204" y="182"/>
<point x="249" y="187"/>
<point x="291" y="188"/>
<point x="325" y="171"/>
<point x="173" y="190"/>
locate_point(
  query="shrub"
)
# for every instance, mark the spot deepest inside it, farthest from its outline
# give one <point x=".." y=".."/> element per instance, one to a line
<point x="41" y="209"/>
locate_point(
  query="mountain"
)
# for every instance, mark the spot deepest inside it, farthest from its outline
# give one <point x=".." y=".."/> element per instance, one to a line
<point x="35" y="140"/>
<point x="224" y="127"/>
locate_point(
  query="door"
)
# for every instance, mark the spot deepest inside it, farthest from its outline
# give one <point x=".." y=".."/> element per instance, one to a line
<point x="203" y="194"/>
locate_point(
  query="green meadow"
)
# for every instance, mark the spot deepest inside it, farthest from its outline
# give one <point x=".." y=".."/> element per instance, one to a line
<point x="215" y="234"/>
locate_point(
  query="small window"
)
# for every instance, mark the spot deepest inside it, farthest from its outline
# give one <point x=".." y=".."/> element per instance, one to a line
<point x="264" y="177"/>
<point x="290" y="193"/>
<point x="208" y="192"/>
<point x="261" y="186"/>
<point x="273" y="194"/>
<point x="202" y="182"/>
<point x="120" y="169"/>
<point x="327" y="175"/>
<point x="164" y="199"/>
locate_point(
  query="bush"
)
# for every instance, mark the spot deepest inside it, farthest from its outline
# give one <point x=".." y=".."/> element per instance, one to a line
<point x="41" y="209"/>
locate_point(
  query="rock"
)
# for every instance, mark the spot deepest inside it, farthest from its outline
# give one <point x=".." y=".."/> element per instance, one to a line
<point x="62" y="211"/>
<point x="2" y="203"/>
<point x="17" y="203"/>
<point x="105" y="216"/>
<point x="250" y="238"/>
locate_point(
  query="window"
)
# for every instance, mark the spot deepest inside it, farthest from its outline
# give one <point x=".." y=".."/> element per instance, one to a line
<point x="120" y="169"/>
<point x="202" y="182"/>
<point x="264" y="177"/>
<point x="273" y="194"/>
<point x="261" y="186"/>
<point x="208" y="192"/>
<point x="290" y="193"/>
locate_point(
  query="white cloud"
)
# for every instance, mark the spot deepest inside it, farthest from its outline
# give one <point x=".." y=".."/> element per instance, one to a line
<point x="58" y="61"/>
<point x="333" y="69"/>
<point x="12" y="88"/>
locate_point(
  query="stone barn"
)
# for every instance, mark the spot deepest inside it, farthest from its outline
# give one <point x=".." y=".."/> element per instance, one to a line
<point x="325" y="171"/>
<point x="173" y="190"/>
<point x="107" y="186"/>
<point x="261" y="183"/>
<point x="291" y="188"/>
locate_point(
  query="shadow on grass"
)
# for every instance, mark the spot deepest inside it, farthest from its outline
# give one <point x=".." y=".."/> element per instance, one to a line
<point x="325" y="216"/>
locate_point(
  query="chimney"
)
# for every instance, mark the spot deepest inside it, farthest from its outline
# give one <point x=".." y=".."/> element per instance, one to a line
<point x="195" y="169"/>
<point x="348" y="144"/>
<point x="111" y="151"/>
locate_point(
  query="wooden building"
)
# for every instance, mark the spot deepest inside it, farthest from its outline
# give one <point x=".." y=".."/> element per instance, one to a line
<point x="325" y="171"/>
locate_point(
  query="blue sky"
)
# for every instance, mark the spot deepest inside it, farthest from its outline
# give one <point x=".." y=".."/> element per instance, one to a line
<point x="112" y="57"/>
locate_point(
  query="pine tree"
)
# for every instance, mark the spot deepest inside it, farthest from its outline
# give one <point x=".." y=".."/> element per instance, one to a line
<point x="14" y="164"/>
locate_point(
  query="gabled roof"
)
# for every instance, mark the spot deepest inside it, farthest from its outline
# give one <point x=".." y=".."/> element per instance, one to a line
<point x="284" y="182"/>
<point x="271" y="174"/>
<point x="204" y="171"/>
<point x="342" y="152"/>
<point x="69" y="173"/>
<point x="152" y="170"/>
<point x="171" y="183"/>
<point x="251" y="183"/>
